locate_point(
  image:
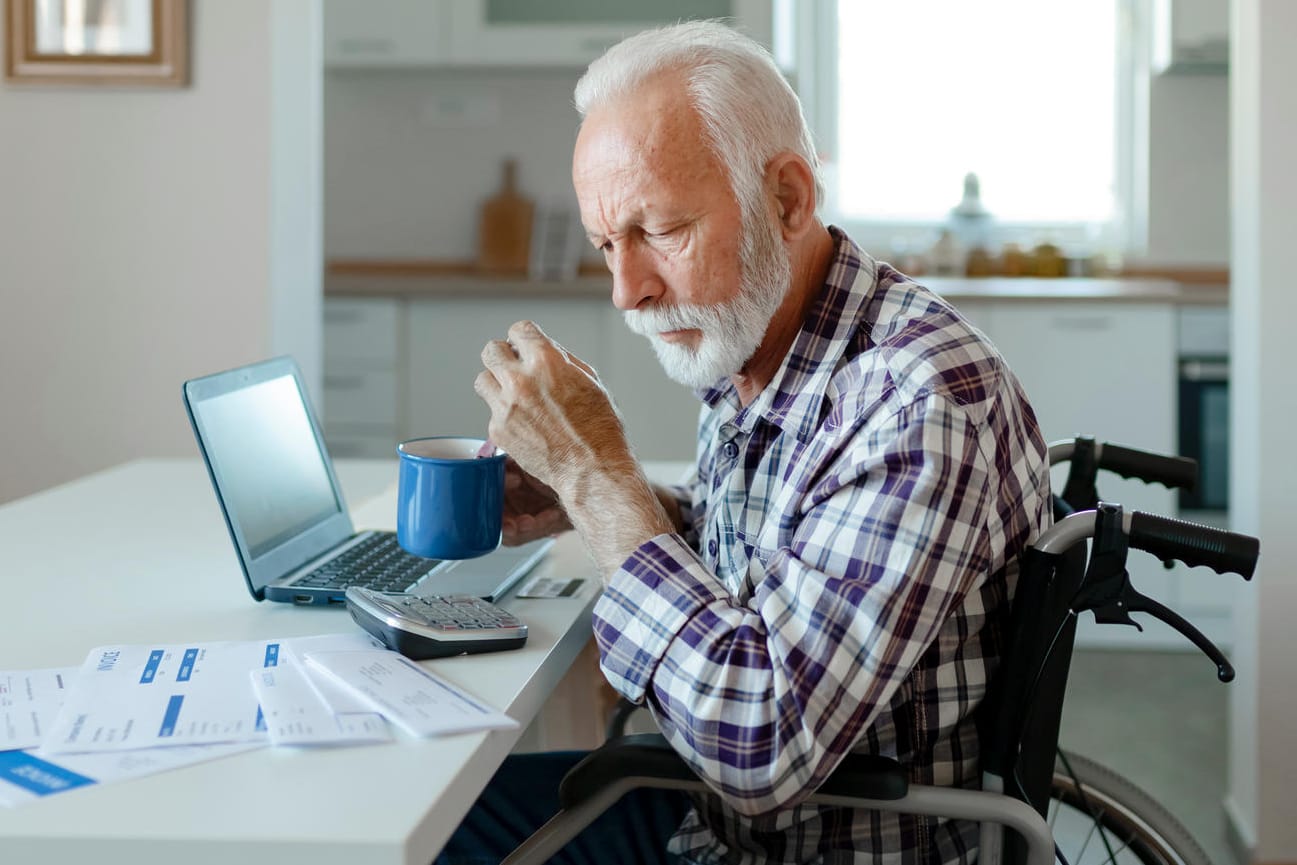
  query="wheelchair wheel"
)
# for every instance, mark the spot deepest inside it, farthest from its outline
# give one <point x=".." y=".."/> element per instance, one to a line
<point x="1107" y="819"/>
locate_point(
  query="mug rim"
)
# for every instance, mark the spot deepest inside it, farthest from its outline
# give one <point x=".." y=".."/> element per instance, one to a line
<point x="405" y="455"/>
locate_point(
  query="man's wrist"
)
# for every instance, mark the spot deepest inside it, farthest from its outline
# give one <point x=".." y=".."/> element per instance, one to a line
<point x="616" y="510"/>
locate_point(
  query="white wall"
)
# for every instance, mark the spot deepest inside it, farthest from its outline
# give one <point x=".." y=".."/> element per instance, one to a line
<point x="411" y="154"/>
<point x="1263" y="706"/>
<point x="136" y="245"/>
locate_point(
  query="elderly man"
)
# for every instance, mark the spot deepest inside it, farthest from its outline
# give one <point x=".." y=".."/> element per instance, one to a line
<point x="833" y="577"/>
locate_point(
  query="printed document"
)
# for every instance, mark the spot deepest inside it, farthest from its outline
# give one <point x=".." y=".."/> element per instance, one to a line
<point x="341" y="700"/>
<point x="147" y="696"/>
<point x="409" y="696"/>
<point x="29" y="700"/>
<point x="295" y="714"/>
<point x="27" y="776"/>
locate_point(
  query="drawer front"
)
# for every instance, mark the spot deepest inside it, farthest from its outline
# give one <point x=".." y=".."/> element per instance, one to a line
<point x="361" y="396"/>
<point x="361" y="330"/>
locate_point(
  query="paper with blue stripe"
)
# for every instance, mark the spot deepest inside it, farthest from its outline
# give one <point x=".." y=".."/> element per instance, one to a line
<point x="29" y="700"/>
<point x="29" y="776"/>
<point x="142" y="696"/>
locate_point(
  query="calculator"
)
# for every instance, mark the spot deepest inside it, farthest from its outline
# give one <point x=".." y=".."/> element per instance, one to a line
<point x="435" y="626"/>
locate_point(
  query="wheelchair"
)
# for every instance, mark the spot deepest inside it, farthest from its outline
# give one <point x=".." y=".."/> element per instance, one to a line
<point x="1045" y="796"/>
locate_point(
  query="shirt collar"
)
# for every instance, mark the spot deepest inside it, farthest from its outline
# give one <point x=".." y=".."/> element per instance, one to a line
<point x="792" y="398"/>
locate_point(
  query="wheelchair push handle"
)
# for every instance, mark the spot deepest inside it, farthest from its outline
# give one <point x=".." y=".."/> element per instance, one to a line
<point x="1167" y="538"/>
<point x="1224" y="552"/>
<point x="1106" y="589"/>
<point x="1170" y="471"/>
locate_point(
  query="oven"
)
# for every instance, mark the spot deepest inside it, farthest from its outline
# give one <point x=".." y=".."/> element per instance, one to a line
<point x="1204" y="405"/>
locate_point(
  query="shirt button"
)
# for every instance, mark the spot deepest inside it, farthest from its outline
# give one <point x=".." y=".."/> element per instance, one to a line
<point x="731" y="450"/>
<point x="712" y="548"/>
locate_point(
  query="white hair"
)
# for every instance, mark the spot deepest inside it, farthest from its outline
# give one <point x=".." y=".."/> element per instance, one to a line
<point x="748" y="111"/>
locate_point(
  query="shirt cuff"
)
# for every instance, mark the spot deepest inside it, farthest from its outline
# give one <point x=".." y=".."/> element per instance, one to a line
<point x="645" y="604"/>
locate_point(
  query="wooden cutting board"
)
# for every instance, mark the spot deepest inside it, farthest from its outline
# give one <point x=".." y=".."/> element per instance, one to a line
<point x="504" y="230"/>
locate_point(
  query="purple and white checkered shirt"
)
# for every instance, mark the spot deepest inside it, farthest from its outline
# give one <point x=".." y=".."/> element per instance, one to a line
<point x="851" y="543"/>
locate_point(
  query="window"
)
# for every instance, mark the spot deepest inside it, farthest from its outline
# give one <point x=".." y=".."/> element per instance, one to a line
<point x="1038" y="98"/>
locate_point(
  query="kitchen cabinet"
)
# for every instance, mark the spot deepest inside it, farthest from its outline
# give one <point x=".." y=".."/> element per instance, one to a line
<point x="660" y="415"/>
<point x="396" y="368"/>
<point x="574" y="32"/>
<point x="361" y="406"/>
<point x="386" y="33"/>
<point x="503" y="33"/>
<point x="445" y="339"/>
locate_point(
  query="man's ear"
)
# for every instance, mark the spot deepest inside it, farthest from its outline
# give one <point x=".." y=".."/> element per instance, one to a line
<point x="792" y="183"/>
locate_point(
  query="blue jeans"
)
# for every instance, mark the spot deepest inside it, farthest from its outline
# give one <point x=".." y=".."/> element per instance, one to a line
<point x="524" y="794"/>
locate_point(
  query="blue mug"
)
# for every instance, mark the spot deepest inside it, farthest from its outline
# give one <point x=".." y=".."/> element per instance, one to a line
<point x="450" y="501"/>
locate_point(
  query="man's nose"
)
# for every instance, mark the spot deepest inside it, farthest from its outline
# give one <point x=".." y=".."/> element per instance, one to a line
<point x="635" y="280"/>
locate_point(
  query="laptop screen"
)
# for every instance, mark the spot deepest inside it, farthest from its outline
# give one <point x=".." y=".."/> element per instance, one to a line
<point x="274" y="477"/>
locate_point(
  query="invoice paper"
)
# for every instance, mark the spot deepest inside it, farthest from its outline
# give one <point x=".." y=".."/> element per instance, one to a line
<point x="27" y="776"/>
<point x="295" y="714"/>
<point x="342" y="700"/>
<point x="29" y="700"/>
<point x="147" y="696"/>
<point x="409" y="696"/>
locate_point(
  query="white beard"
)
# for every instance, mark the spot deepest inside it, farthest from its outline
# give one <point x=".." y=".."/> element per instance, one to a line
<point x="731" y="330"/>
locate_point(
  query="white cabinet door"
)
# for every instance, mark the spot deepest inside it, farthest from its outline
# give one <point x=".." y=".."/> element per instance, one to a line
<point x="574" y="32"/>
<point x="360" y="332"/>
<point x="362" y="358"/>
<point x="661" y="416"/>
<point x="385" y="33"/>
<point x="445" y="337"/>
<point x="1109" y="370"/>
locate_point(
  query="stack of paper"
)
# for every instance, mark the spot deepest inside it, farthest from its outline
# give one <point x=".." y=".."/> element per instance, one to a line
<point x="136" y="710"/>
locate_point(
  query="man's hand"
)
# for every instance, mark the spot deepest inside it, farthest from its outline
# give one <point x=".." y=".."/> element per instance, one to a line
<point x="551" y="414"/>
<point x="531" y="509"/>
<point x="548" y="410"/>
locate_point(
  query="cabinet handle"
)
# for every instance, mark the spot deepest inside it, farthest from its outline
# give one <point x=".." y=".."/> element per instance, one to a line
<point x="363" y="45"/>
<point x="343" y="382"/>
<point x="1088" y="323"/>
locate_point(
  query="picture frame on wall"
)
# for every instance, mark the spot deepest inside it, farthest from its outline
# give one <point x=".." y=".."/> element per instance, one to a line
<point x="106" y="42"/>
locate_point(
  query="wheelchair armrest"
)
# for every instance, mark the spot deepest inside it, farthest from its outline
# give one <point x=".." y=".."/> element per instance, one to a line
<point x="642" y="755"/>
<point x="647" y="755"/>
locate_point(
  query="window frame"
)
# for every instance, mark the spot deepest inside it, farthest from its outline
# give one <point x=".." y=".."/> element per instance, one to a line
<point x="805" y="46"/>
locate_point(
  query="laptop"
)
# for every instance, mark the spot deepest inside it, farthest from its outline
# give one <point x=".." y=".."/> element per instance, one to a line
<point x="285" y="512"/>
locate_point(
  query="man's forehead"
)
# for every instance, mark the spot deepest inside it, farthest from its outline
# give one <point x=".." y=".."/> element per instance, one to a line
<point x="657" y="111"/>
<point x="641" y="154"/>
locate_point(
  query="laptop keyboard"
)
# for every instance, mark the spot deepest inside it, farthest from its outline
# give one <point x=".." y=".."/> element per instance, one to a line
<point x="377" y="562"/>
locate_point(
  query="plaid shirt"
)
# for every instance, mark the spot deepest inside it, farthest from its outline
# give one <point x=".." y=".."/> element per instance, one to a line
<point x="849" y="550"/>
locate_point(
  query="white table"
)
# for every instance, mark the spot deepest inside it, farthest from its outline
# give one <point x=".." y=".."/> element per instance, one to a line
<point x="140" y="554"/>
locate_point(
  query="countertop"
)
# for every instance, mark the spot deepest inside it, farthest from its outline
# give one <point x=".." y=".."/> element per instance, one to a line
<point x="423" y="279"/>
